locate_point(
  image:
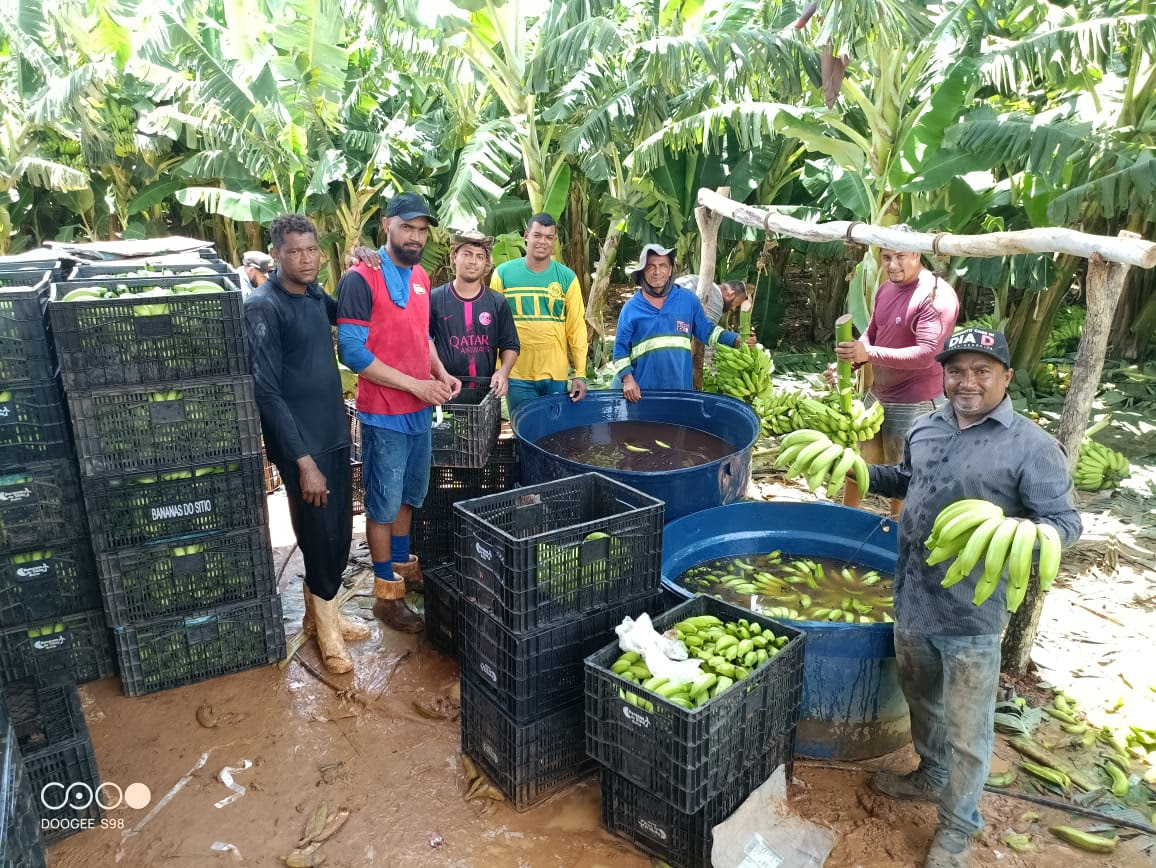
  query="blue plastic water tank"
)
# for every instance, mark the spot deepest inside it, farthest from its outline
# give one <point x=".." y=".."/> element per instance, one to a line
<point x="685" y="490"/>
<point x="852" y="704"/>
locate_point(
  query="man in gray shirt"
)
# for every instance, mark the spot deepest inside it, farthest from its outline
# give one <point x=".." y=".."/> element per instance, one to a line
<point x="947" y="649"/>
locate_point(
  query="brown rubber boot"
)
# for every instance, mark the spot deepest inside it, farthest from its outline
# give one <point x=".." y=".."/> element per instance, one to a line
<point x="329" y="642"/>
<point x="390" y="606"/>
<point x="351" y="630"/>
<point x="411" y="572"/>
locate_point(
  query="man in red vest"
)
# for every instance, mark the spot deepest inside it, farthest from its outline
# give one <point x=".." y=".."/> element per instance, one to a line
<point x="383" y="335"/>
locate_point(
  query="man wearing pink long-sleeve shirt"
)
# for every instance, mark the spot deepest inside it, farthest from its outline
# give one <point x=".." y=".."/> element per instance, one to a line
<point x="915" y="312"/>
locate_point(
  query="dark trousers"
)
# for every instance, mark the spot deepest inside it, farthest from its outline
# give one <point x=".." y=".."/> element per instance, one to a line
<point x="324" y="534"/>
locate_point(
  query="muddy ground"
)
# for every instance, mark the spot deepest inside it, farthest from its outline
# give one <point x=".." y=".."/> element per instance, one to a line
<point x="400" y="775"/>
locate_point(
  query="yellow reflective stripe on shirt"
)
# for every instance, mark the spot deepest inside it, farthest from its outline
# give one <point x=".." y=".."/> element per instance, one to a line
<point x="662" y="342"/>
<point x="715" y="334"/>
<point x="621" y="365"/>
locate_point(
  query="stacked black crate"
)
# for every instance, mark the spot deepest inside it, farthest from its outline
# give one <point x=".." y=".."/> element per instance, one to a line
<point x="669" y="773"/>
<point x="546" y="572"/>
<point x="52" y="630"/>
<point x="469" y="459"/>
<point x="21" y="845"/>
<point x="168" y="440"/>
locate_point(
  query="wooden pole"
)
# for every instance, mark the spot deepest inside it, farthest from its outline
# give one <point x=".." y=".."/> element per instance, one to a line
<point x="1128" y="248"/>
<point x="1104" y="287"/>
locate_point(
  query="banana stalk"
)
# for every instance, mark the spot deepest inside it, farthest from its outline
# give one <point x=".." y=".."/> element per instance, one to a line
<point x="843" y="334"/>
<point x="1029" y="748"/>
<point x="745" y="319"/>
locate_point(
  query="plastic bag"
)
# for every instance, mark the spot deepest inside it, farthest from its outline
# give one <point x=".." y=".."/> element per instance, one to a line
<point x="665" y="656"/>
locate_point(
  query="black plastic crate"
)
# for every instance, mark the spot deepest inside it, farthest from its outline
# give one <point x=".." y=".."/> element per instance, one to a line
<point x="432" y="530"/>
<point x="686" y="757"/>
<point x="171" y="652"/>
<point x="103" y="271"/>
<point x="20" y="842"/>
<point x="441" y="610"/>
<point x="468" y="430"/>
<point x="43" y="714"/>
<point x="527" y="762"/>
<point x="142" y="583"/>
<point x="357" y="486"/>
<point x="132" y="340"/>
<point x="39" y="505"/>
<point x="135" y="509"/>
<point x="55" y="579"/>
<point x="679" y="839"/>
<point x="554" y="551"/>
<point x="33" y="422"/>
<point x="25" y="350"/>
<point x="67" y="763"/>
<point x="173" y="425"/>
<point x="354" y="430"/>
<point x="532" y="674"/>
<point x="72" y="648"/>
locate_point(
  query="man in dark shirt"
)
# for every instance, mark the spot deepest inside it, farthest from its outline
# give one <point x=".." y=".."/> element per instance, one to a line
<point x="947" y="650"/>
<point x="471" y="325"/>
<point x="298" y="389"/>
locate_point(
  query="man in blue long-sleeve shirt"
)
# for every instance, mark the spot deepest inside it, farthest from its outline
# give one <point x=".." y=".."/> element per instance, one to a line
<point x="946" y="648"/>
<point x="652" y="346"/>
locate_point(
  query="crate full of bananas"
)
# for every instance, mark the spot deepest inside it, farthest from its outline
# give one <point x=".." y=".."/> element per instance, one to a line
<point x="685" y="741"/>
<point x="973" y="530"/>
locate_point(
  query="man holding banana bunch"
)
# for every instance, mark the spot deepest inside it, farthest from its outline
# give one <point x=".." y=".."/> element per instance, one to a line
<point x="947" y="638"/>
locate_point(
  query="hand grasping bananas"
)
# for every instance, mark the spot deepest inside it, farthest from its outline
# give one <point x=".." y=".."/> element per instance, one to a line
<point x="813" y="455"/>
<point x="1099" y="468"/>
<point x="970" y="530"/>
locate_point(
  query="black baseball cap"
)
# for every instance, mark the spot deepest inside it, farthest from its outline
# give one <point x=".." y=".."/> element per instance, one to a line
<point x="984" y="341"/>
<point x="407" y="206"/>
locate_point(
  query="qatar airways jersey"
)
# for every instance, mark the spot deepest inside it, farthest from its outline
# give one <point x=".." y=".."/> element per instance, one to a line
<point x="470" y="333"/>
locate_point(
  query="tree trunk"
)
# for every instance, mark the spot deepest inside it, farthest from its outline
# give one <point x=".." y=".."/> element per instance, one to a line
<point x="596" y="306"/>
<point x="1104" y="286"/>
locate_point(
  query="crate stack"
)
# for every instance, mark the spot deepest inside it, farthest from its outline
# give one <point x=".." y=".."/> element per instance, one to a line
<point x="52" y="630"/>
<point x="21" y="845"/>
<point x="545" y="573"/>
<point x="168" y="440"/>
<point x="470" y="459"/>
<point x="670" y="774"/>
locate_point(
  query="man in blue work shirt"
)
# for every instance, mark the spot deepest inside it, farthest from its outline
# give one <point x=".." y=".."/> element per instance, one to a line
<point x="652" y="347"/>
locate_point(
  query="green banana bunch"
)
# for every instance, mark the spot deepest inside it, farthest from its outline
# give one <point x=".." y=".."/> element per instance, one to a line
<point x="730" y="652"/>
<point x="848" y="429"/>
<point x="969" y="530"/>
<point x="1099" y="468"/>
<point x="813" y="454"/>
<point x="742" y="372"/>
<point x="778" y="412"/>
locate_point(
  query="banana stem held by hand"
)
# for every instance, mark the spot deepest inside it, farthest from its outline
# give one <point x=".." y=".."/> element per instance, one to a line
<point x="843" y="369"/>
<point x="745" y="319"/>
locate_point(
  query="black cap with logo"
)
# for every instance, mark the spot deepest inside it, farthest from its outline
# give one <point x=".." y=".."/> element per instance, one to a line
<point x="407" y="206"/>
<point x="972" y="340"/>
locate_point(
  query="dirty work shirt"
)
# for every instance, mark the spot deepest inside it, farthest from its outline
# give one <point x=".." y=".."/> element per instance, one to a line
<point x="653" y="343"/>
<point x="469" y="333"/>
<point x="370" y="325"/>
<point x="907" y="328"/>
<point x="550" y="316"/>
<point x="1005" y="459"/>
<point x="295" y="378"/>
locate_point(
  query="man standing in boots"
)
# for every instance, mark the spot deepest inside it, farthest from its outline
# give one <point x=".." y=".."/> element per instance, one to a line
<point x="289" y="319"/>
<point x="383" y="335"/>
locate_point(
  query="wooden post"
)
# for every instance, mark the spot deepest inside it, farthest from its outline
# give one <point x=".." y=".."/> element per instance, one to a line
<point x="708" y="226"/>
<point x="1104" y="287"/>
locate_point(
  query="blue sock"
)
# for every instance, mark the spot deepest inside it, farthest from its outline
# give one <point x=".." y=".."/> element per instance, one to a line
<point x="383" y="570"/>
<point x="399" y="549"/>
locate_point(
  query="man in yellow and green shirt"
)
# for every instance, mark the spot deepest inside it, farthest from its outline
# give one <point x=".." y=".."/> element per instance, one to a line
<point x="550" y="316"/>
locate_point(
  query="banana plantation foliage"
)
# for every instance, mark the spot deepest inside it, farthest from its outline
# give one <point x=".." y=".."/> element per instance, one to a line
<point x="127" y="118"/>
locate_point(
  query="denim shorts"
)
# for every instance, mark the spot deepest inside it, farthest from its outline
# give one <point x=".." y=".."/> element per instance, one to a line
<point x="395" y="468"/>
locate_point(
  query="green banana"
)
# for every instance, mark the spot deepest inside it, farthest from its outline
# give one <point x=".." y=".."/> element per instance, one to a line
<point x="997" y="549"/>
<point x="1084" y="840"/>
<point x="1019" y="563"/>
<point x="1050" y="549"/>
